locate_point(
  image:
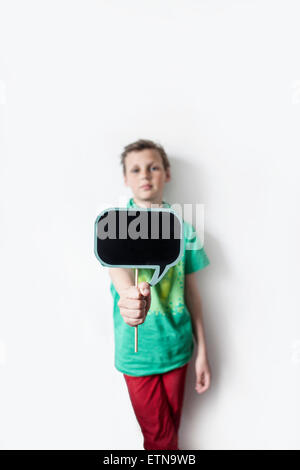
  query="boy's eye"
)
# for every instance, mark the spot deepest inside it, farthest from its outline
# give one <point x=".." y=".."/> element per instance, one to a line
<point x="136" y="169"/>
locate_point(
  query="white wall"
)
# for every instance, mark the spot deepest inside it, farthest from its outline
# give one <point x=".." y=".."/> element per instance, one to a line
<point x="218" y="84"/>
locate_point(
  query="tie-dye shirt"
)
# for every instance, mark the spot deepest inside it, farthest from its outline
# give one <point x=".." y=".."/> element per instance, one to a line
<point x="165" y="339"/>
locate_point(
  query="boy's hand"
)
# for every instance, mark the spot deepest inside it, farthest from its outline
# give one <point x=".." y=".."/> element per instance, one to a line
<point x="203" y="374"/>
<point x="134" y="303"/>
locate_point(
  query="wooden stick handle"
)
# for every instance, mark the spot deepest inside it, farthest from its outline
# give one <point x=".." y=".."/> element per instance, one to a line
<point x="136" y="327"/>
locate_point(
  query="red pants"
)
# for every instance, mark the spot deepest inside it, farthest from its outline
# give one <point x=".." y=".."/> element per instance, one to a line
<point x="157" y="402"/>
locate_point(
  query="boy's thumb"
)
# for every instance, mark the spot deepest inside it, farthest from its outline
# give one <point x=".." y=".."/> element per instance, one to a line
<point x="145" y="288"/>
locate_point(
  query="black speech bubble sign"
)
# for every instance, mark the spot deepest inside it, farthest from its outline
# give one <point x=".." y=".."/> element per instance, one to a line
<point x="139" y="238"/>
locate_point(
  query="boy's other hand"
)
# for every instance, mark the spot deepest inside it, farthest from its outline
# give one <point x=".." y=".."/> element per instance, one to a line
<point x="203" y="373"/>
<point x="134" y="303"/>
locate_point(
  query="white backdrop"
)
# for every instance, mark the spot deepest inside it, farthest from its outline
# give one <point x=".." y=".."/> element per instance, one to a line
<point x="218" y="84"/>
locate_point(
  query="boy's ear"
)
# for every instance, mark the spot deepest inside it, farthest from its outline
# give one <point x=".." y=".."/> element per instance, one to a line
<point x="168" y="174"/>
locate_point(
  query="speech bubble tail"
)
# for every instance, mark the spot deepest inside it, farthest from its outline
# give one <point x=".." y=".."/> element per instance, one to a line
<point x="158" y="274"/>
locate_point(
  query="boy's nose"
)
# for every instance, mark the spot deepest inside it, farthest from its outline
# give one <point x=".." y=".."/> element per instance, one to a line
<point x="145" y="178"/>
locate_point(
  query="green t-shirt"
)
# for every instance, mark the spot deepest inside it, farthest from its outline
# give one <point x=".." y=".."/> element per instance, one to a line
<point x="165" y="339"/>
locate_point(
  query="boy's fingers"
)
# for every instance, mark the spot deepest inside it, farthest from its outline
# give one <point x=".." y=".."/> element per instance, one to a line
<point x="202" y="382"/>
<point x="132" y="303"/>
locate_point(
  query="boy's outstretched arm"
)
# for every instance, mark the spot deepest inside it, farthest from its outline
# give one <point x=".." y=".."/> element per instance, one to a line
<point x="194" y="305"/>
<point x="121" y="278"/>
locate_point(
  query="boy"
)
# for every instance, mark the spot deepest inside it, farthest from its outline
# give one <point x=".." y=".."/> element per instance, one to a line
<point x="168" y="314"/>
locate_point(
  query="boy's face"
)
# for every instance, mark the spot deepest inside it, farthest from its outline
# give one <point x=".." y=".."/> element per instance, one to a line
<point x="145" y="167"/>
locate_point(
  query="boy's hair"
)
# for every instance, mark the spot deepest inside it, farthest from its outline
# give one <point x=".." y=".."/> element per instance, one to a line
<point x="142" y="144"/>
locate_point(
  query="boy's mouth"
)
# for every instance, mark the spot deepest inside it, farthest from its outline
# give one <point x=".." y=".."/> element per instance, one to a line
<point x="146" y="186"/>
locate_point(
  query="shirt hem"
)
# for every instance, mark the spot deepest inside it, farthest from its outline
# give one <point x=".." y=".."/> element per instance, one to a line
<point x="160" y="371"/>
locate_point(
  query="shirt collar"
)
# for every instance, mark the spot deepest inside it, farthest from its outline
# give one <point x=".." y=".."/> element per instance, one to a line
<point x="131" y="203"/>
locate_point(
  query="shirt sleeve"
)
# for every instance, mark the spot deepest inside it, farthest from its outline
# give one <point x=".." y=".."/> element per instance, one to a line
<point x="195" y="255"/>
